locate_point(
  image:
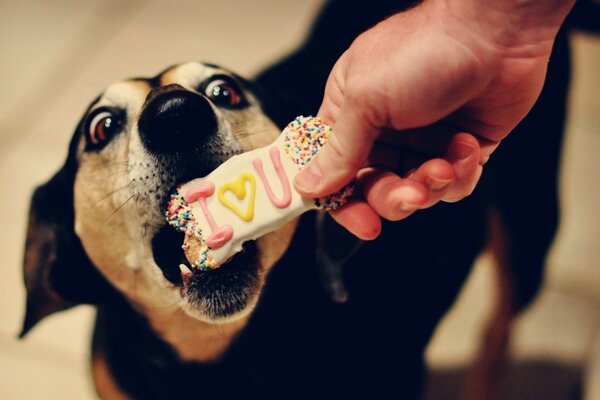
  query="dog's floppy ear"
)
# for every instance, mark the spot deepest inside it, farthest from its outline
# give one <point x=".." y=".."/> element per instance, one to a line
<point x="57" y="272"/>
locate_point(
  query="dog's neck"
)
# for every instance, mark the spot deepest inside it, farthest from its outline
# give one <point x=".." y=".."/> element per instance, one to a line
<point x="194" y="340"/>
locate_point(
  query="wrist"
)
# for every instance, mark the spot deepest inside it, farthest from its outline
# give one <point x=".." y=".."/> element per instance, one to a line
<point x="524" y="28"/>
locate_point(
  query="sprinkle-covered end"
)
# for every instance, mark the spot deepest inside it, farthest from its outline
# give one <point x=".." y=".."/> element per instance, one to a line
<point x="197" y="251"/>
<point x="180" y="217"/>
<point x="303" y="138"/>
<point x="335" y="200"/>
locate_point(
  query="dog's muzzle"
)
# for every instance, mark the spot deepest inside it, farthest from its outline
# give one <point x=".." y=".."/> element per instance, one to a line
<point x="176" y="120"/>
<point x="180" y="129"/>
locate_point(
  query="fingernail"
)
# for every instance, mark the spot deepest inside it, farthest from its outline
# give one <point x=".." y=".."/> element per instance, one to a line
<point x="461" y="150"/>
<point x="404" y="207"/>
<point x="437" y="184"/>
<point x="411" y="199"/>
<point x="309" y="179"/>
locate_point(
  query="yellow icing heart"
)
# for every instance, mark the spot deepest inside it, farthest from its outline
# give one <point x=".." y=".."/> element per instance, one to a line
<point x="238" y="188"/>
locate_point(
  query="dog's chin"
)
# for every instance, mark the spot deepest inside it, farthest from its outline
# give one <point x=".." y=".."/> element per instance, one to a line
<point x="222" y="295"/>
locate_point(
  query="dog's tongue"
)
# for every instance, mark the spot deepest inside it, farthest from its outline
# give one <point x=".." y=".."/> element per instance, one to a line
<point x="249" y="196"/>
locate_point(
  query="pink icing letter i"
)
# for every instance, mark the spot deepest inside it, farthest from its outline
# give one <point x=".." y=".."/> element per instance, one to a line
<point x="219" y="234"/>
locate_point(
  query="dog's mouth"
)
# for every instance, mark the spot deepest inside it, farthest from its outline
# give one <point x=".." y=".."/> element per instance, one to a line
<point x="212" y="295"/>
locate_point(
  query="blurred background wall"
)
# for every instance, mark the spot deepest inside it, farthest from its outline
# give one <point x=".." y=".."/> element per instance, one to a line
<point x="57" y="55"/>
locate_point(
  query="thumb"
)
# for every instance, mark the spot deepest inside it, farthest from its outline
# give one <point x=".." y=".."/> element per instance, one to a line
<point x="340" y="158"/>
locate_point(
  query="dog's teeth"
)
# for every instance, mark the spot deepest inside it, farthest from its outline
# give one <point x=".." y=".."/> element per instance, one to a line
<point x="185" y="270"/>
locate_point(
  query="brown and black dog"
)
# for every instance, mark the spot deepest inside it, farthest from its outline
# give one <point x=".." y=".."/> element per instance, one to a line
<point x="283" y="319"/>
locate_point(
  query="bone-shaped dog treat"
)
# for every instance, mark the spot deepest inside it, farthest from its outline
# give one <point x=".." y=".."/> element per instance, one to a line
<point x="248" y="196"/>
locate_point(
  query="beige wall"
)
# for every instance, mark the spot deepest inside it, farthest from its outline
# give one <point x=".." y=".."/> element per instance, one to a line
<point x="57" y="56"/>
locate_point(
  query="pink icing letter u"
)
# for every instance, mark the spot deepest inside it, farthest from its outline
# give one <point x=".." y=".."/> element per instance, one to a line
<point x="286" y="198"/>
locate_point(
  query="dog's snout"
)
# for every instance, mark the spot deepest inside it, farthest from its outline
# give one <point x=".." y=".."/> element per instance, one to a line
<point x="176" y="120"/>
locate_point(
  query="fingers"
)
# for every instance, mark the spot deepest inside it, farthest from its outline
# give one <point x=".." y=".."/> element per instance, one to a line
<point x="359" y="219"/>
<point x="464" y="154"/>
<point x="390" y="196"/>
<point x="454" y="177"/>
<point x="438" y="176"/>
<point x="394" y="198"/>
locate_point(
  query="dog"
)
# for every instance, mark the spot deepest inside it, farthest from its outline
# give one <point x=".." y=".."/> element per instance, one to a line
<point x="304" y="311"/>
<point x="99" y="227"/>
<point x="97" y="234"/>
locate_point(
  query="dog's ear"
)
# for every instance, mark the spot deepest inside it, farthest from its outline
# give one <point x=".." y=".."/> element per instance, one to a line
<point x="58" y="274"/>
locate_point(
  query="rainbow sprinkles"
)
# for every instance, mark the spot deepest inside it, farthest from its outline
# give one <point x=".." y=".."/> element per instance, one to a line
<point x="248" y="196"/>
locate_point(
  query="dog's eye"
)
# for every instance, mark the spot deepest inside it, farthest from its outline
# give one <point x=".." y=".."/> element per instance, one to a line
<point x="223" y="93"/>
<point x="104" y="123"/>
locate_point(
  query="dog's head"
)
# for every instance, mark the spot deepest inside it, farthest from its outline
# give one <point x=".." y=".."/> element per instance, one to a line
<point x="101" y="218"/>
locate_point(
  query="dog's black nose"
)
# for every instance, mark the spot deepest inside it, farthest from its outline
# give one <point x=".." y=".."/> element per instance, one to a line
<point x="176" y="120"/>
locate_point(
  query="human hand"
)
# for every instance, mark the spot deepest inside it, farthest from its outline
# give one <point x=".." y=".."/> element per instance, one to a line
<point x="420" y="101"/>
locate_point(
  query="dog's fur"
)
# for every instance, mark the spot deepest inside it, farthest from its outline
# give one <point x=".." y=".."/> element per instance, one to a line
<point x="97" y="235"/>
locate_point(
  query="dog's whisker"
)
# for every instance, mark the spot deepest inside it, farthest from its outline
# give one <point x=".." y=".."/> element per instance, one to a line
<point x="120" y="162"/>
<point x="242" y="130"/>
<point x="101" y="178"/>
<point x="244" y="134"/>
<point x="117" y="190"/>
<point x="120" y="207"/>
<point x="118" y="173"/>
<point x="177" y="306"/>
<point x="111" y="193"/>
<point x="180" y="306"/>
<point x="236" y="123"/>
<point x="221" y="330"/>
<point x="120" y="165"/>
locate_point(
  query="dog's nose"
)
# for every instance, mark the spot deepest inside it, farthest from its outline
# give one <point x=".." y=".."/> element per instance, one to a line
<point x="176" y="120"/>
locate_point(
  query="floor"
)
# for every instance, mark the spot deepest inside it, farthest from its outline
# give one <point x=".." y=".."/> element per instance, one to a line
<point x="56" y="57"/>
